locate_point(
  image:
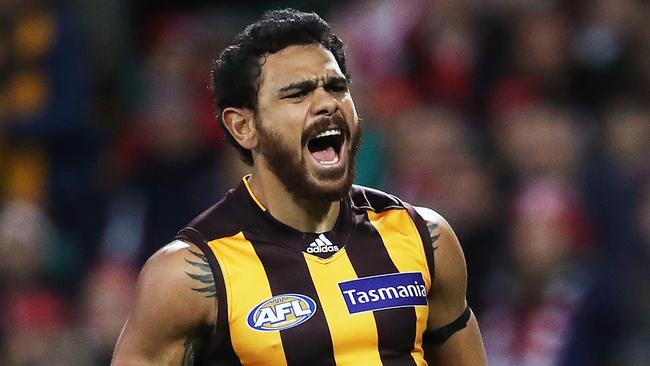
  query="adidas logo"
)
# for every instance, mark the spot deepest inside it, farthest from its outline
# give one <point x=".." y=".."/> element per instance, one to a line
<point x="322" y="245"/>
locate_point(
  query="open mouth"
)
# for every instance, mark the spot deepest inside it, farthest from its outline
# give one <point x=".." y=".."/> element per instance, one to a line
<point x="325" y="147"/>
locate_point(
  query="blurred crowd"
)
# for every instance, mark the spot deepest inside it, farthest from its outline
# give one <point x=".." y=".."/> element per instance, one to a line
<point x="525" y="123"/>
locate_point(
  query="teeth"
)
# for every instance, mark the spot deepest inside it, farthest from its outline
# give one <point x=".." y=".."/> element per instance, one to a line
<point x="331" y="132"/>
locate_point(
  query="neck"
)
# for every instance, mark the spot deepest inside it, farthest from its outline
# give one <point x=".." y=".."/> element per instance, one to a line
<point x="301" y="214"/>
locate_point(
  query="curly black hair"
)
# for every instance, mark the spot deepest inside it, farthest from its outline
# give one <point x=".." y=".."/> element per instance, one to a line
<point x="236" y="72"/>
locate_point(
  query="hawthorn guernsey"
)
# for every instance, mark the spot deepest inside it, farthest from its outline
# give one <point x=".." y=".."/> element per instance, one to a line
<point x="384" y="292"/>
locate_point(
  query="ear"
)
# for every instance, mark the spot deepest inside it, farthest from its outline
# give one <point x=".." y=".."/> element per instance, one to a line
<point x="241" y="125"/>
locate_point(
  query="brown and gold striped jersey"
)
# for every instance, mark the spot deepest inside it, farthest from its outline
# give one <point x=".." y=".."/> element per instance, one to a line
<point x="364" y="303"/>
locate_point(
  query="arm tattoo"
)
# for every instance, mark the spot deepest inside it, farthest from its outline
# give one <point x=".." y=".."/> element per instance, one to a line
<point x="189" y="355"/>
<point x="433" y="233"/>
<point x="194" y="344"/>
<point x="205" y="276"/>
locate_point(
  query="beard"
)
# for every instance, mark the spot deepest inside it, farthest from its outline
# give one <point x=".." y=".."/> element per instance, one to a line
<point x="291" y="169"/>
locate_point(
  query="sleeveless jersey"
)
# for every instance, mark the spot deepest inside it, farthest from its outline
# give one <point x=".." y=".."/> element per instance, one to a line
<point x="366" y="304"/>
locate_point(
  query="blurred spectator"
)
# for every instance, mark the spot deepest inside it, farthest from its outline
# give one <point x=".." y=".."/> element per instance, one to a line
<point x="533" y="295"/>
<point x="602" y="45"/>
<point x="617" y="166"/>
<point x="43" y="99"/>
<point x="32" y="248"/>
<point x="174" y="136"/>
<point x="539" y="139"/>
<point x="435" y="163"/>
<point x="641" y="59"/>
<point x="376" y="35"/>
<point x="24" y="230"/>
<point x="448" y="41"/>
<point x="107" y="295"/>
<point x="627" y="138"/>
<point x="613" y="326"/>
<point x="541" y="49"/>
<point x="633" y="350"/>
<point x="37" y="270"/>
<point x="39" y="331"/>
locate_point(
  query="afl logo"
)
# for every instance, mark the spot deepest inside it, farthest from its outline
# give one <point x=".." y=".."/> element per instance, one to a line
<point x="281" y="312"/>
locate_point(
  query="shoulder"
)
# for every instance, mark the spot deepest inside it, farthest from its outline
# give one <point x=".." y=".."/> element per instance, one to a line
<point x="373" y="199"/>
<point x="177" y="283"/>
<point x="429" y="215"/>
<point x="441" y="233"/>
<point x="166" y="309"/>
<point x="450" y="266"/>
<point x="168" y="266"/>
<point x="436" y="224"/>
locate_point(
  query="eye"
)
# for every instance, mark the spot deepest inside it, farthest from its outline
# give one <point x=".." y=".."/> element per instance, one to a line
<point x="340" y="87"/>
<point x="298" y="94"/>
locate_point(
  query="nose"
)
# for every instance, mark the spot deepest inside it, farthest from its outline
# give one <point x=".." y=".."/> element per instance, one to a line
<point x="324" y="103"/>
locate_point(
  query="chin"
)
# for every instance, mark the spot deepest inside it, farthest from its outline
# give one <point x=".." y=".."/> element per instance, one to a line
<point x="328" y="189"/>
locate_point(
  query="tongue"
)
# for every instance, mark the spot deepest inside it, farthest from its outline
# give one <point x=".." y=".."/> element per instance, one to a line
<point x="328" y="154"/>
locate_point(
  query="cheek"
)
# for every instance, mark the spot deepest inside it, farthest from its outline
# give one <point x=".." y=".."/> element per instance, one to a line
<point x="285" y="121"/>
<point x="349" y="111"/>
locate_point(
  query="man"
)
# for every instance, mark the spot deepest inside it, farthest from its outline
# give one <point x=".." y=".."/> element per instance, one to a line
<point x="296" y="266"/>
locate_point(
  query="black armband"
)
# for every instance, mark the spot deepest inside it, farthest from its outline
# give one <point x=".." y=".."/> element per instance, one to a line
<point x="442" y="334"/>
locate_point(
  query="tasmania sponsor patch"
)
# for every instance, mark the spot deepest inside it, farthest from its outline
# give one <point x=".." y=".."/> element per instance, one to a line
<point x="384" y="292"/>
<point x="281" y="312"/>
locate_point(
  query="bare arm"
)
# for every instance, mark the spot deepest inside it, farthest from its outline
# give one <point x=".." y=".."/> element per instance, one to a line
<point x="447" y="298"/>
<point x="174" y="300"/>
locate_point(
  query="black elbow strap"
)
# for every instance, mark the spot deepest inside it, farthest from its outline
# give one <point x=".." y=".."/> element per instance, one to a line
<point x="442" y="334"/>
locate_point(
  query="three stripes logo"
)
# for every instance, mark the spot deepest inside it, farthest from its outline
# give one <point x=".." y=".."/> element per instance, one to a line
<point x="322" y="245"/>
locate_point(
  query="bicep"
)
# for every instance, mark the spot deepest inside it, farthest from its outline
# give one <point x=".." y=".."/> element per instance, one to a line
<point x="140" y="344"/>
<point x="447" y="299"/>
<point x="166" y="312"/>
<point x="447" y="296"/>
<point x="465" y="347"/>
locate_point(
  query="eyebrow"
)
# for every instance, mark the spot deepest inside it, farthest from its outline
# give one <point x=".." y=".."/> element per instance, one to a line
<point x="312" y="84"/>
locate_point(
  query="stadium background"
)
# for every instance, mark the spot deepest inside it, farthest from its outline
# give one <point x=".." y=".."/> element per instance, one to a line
<point x="525" y="123"/>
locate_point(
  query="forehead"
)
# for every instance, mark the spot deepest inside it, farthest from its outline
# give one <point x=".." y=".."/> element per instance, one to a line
<point x="297" y="62"/>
